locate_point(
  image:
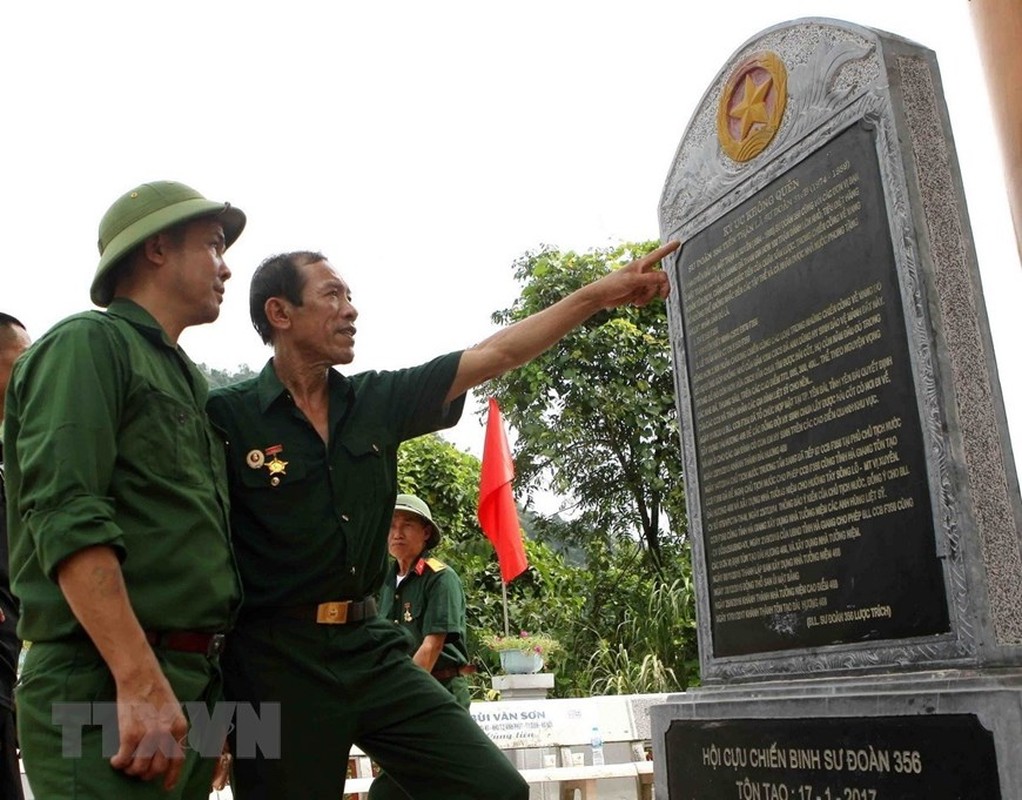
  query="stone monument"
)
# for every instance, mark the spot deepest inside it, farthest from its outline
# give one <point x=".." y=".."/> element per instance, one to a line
<point x="853" y="505"/>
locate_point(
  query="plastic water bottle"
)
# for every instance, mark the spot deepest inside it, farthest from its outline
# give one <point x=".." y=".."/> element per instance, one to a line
<point x="597" y="743"/>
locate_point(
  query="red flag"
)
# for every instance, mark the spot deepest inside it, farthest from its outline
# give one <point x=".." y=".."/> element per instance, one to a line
<point x="497" y="513"/>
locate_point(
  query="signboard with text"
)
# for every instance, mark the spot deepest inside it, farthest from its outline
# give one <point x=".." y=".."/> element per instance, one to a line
<point x="937" y="757"/>
<point x="816" y="513"/>
<point x="549" y="723"/>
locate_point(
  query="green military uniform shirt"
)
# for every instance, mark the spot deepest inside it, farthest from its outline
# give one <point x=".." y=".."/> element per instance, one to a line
<point x="107" y="442"/>
<point x="309" y="519"/>
<point x="428" y="600"/>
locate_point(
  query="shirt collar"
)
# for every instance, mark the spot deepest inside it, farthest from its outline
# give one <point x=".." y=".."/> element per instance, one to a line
<point x="270" y="388"/>
<point x="146" y="323"/>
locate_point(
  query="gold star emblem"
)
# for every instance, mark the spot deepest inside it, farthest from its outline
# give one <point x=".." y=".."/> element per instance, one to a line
<point x="276" y="466"/>
<point x="752" y="107"/>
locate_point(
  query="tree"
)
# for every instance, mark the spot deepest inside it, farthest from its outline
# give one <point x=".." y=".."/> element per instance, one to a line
<point x="547" y="597"/>
<point x="221" y="377"/>
<point x="595" y="415"/>
<point x="594" y="606"/>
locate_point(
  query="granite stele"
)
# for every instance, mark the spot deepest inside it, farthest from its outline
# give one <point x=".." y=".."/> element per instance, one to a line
<point x="854" y="508"/>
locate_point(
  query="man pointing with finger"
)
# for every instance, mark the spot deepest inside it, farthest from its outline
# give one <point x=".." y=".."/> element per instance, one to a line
<point x="312" y="463"/>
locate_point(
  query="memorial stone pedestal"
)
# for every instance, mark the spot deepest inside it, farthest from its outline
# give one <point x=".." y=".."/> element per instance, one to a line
<point x="854" y="508"/>
<point x="535" y="686"/>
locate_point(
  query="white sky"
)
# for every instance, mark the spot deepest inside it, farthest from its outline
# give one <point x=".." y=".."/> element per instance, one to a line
<point x="422" y="146"/>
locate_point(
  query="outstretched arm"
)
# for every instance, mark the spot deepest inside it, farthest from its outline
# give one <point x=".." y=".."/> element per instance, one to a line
<point x="636" y="284"/>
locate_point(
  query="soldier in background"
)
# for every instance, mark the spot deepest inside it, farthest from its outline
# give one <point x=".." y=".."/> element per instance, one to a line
<point x="424" y="597"/>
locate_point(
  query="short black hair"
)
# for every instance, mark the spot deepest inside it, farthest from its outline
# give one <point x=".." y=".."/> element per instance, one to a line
<point x="7" y="335"/>
<point x="278" y="276"/>
<point x="7" y="321"/>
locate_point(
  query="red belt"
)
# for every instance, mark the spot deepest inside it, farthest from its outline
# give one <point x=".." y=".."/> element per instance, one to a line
<point x="209" y="644"/>
<point x="446" y="673"/>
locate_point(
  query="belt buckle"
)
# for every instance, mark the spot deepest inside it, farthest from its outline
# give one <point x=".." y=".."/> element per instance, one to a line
<point x="335" y="613"/>
<point x="216" y="645"/>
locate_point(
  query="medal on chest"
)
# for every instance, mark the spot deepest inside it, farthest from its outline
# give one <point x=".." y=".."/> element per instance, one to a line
<point x="268" y="457"/>
<point x="408" y="612"/>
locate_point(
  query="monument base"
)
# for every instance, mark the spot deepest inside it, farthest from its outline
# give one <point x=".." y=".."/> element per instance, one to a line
<point x="534" y="686"/>
<point x="934" y="735"/>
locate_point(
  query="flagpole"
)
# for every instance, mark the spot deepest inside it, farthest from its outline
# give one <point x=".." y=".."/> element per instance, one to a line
<point x="503" y="592"/>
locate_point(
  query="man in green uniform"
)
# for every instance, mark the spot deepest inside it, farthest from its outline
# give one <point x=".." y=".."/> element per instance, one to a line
<point x="312" y="463"/>
<point x="424" y="598"/>
<point x="118" y="513"/>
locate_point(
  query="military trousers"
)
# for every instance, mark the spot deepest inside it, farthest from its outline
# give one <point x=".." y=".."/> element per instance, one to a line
<point x="335" y="685"/>
<point x="63" y="685"/>
<point x="385" y="787"/>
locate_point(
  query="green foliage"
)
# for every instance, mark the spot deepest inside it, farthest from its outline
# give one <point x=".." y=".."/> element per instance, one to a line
<point x="604" y="593"/>
<point x="596" y="423"/>
<point x="448" y="480"/>
<point x="628" y="612"/>
<point x="653" y="649"/>
<point x="595" y="415"/>
<point x="221" y="377"/>
<point x="523" y="640"/>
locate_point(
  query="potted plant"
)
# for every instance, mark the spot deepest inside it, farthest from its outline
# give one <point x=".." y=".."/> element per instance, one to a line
<point x="523" y="654"/>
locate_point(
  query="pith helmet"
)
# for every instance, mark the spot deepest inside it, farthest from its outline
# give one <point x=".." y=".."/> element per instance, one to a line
<point x="409" y="502"/>
<point x="144" y="211"/>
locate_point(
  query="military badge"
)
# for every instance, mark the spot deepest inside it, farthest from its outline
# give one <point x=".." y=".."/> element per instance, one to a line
<point x="752" y="106"/>
<point x="408" y="612"/>
<point x="275" y="465"/>
<point x="257" y="459"/>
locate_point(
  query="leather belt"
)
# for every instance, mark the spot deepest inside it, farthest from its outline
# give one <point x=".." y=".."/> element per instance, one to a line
<point x="337" y="612"/>
<point x="209" y="644"/>
<point x="446" y="673"/>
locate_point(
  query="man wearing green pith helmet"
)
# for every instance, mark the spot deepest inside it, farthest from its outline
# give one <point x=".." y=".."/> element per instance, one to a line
<point x="423" y="597"/>
<point x="118" y="513"/>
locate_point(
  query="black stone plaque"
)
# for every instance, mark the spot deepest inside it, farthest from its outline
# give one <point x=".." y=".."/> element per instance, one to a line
<point x="936" y="757"/>
<point x="815" y="507"/>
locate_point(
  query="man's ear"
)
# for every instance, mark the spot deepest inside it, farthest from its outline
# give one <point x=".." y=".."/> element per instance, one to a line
<point x="278" y="313"/>
<point x="155" y="248"/>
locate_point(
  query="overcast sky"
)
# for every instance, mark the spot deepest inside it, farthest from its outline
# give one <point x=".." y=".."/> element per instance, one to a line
<point x="421" y="146"/>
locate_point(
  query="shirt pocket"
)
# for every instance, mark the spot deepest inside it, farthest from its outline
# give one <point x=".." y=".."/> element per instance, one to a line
<point x="370" y="477"/>
<point x="167" y="438"/>
<point x="286" y="504"/>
